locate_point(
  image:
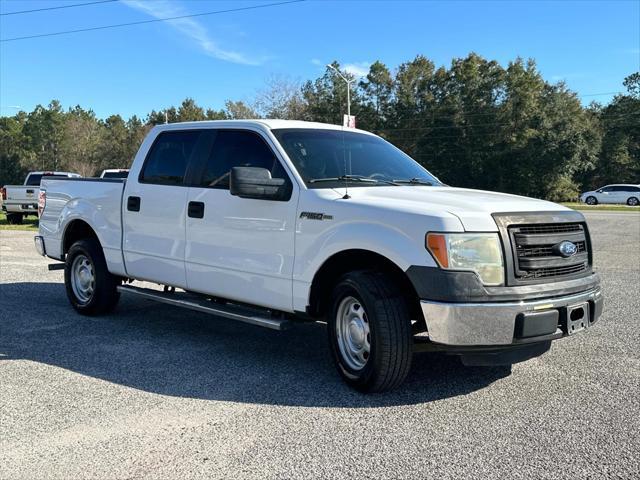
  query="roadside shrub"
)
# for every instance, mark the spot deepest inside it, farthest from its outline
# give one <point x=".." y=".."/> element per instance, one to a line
<point x="563" y="189"/>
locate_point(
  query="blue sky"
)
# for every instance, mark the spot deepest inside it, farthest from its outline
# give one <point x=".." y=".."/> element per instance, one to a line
<point x="591" y="45"/>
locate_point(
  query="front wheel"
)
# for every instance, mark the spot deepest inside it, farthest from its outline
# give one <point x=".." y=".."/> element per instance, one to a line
<point x="91" y="289"/>
<point x="591" y="201"/>
<point x="370" y="332"/>
<point x="633" y="202"/>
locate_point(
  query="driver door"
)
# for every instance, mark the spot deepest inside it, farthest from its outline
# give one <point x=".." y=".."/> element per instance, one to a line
<point x="240" y="248"/>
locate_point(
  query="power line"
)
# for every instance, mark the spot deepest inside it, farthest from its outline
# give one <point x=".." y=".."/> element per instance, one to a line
<point x="599" y="94"/>
<point x="155" y="20"/>
<point x="20" y="12"/>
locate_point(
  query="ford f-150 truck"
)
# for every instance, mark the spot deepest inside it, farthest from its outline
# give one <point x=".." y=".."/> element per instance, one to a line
<point x="274" y="222"/>
<point x="21" y="200"/>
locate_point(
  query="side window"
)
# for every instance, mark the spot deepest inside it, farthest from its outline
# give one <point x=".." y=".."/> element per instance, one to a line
<point x="238" y="148"/>
<point x="167" y="161"/>
<point x="606" y="189"/>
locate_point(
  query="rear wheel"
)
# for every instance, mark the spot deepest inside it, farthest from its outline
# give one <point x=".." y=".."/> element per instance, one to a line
<point x="91" y="289"/>
<point x="633" y="202"/>
<point x="591" y="201"/>
<point x="14" y="218"/>
<point x="370" y="332"/>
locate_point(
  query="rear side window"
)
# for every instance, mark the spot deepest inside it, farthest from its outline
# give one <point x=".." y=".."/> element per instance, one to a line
<point x="623" y="188"/>
<point x="36" y="178"/>
<point x="167" y="161"/>
<point x="115" y="175"/>
<point x="238" y="148"/>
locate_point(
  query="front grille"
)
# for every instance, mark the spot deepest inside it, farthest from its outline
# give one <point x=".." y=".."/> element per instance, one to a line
<point x="553" y="228"/>
<point x="536" y="253"/>
<point x="558" y="271"/>
<point x="547" y="251"/>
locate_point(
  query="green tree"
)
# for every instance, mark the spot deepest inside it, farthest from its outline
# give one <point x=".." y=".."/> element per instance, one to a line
<point x="13" y="149"/>
<point x="377" y="93"/>
<point x="44" y="128"/>
<point x="619" y="159"/>
<point x="81" y="142"/>
<point x="189" y="111"/>
<point x="114" y="149"/>
<point x="239" y="110"/>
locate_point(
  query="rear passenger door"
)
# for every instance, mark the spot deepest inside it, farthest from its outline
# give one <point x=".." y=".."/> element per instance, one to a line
<point x="620" y="194"/>
<point x="239" y="248"/>
<point x="154" y="209"/>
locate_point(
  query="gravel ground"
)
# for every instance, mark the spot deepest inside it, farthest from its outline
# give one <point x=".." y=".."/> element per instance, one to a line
<point x="154" y="391"/>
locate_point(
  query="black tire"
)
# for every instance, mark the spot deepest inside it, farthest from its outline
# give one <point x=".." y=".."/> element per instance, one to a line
<point x="104" y="296"/>
<point x="14" y="218"/>
<point x="633" y="201"/>
<point x="591" y="201"/>
<point x="391" y="344"/>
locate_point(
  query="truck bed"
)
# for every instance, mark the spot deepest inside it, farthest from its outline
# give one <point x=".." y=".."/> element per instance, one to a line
<point x="92" y="200"/>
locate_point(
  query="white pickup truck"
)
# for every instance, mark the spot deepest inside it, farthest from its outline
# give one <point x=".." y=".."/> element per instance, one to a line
<point x="21" y="200"/>
<point x="275" y="222"/>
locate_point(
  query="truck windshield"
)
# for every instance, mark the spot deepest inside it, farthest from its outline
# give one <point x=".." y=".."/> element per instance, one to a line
<point x="329" y="158"/>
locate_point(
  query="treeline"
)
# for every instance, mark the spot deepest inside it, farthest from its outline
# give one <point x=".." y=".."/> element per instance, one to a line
<point x="474" y="124"/>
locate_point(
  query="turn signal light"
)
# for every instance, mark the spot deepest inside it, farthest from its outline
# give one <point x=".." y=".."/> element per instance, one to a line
<point x="437" y="245"/>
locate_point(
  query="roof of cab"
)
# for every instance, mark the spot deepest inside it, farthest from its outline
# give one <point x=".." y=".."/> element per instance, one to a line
<point x="271" y="124"/>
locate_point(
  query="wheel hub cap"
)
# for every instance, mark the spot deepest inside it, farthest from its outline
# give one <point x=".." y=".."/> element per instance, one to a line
<point x="82" y="278"/>
<point x="353" y="333"/>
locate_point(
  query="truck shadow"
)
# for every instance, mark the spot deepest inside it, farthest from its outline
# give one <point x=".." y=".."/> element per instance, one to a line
<point x="165" y="350"/>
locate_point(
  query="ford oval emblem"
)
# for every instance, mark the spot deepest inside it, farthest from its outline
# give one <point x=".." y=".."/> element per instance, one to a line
<point x="567" y="249"/>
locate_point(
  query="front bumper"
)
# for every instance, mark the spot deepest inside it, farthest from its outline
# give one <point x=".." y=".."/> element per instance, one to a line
<point x="500" y="323"/>
<point x="39" y="244"/>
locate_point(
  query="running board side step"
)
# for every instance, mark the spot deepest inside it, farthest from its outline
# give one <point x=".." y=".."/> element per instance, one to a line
<point x="201" y="304"/>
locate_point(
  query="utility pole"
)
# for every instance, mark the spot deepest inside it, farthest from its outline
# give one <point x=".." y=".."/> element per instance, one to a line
<point x="348" y="82"/>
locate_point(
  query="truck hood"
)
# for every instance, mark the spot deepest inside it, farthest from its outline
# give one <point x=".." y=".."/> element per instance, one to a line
<point x="472" y="207"/>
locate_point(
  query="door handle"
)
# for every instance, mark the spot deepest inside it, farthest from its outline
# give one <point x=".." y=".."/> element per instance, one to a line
<point x="133" y="204"/>
<point x="195" y="210"/>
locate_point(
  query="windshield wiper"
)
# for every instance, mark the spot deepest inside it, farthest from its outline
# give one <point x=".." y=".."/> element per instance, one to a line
<point x="352" y="178"/>
<point x="414" y="181"/>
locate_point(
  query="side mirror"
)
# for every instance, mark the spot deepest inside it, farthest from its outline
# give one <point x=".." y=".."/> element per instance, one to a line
<point x="599" y="191"/>
<point x="255" y="182"/>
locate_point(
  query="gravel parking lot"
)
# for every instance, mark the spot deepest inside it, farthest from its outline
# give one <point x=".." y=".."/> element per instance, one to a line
<point x="154" y="391"/>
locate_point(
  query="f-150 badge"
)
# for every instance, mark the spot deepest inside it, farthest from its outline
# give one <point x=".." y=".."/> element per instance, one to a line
<point x="316" y="216"/>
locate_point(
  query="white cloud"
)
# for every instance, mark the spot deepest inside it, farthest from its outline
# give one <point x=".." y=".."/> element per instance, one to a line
<point x="190" y="28"/>
<point x="358" y="69"/>
<point x="316" y="62"/>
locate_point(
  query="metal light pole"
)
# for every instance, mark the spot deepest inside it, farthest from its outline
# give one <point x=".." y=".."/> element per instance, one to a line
<point x="349" y="82"/>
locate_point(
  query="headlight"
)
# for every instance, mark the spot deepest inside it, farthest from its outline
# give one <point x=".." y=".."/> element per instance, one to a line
<point x="476" y="252"/>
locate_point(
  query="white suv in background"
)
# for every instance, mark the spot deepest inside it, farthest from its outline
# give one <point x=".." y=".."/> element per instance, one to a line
<point x="620" y="193"/>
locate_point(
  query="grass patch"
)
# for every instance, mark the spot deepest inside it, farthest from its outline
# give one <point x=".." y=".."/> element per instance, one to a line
<point x="29" y="223"/>
<point x="607" y="208"/>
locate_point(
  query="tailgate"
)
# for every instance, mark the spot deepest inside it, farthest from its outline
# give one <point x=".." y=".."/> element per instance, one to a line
<point x="18" y="193"/>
